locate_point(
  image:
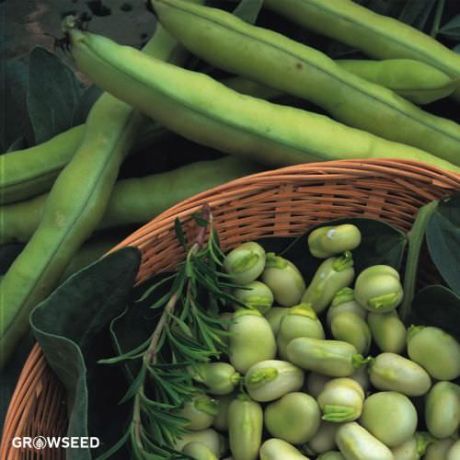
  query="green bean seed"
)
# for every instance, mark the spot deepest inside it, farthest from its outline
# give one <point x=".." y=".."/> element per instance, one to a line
<point x="390" y="417"/>
<point x="220" y="421"/>
<point x="389" y="371"/>
<point x="413" y="449"/>
<point x="200" y="411"/>
<point x="378" y="289"/>
<point x="275" y="449"/>
<point x="255" y="295"/>
<point x="199" y="451"/>
<point x="210" y="438"/>
<point x="315" y="383"/>
<point x="245" y="428"/>
<point x="435" y="350"/>
<point x="251" y="340"/>
<point x="454" y="451"/>
<point x="439" y="449"/>
<point x="356" y="443"/>
<point x="274" y="316"/>
<point x="330" y="357"/>
<point x="325" y="242"/>
<point x="388" y="331"/>
<point x="294" y="418"/>
<point x="300" y="321"/>
<point x="344" y="301"/>
<point x="352" y="329"/>
<point x="245" y="263"/>
<point x="324" y="439"/>
<point x="331" y="455"/>
<point x="219" y="378"/>
<point x="442" y="409"/>
<point x="271" y="379"/>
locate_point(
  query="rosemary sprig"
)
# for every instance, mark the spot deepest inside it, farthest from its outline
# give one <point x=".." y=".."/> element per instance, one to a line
<point x="187" y="333"/>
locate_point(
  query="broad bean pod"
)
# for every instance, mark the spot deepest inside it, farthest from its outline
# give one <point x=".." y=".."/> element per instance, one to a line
<point x="294" y="418"/>
<point x="325" y="242"/>
<point x="341" y="400"/>
<point x="300" y="321"/>
<point x="390" y="417"/>
<point x="214" y="115"/>
<point x="271" y="379"/>
<point x="356" y="443"/>
<point x="414" y="80"/>
<point x="388" y="331"/>
<point x="251" y="340"/>
<point x="274" y="449"/>
<point x="331" y="276"/>
<point x="245" y="424"/>
<point x="135" y="200"/>
<point x="330" y="357"/>
<point x="74" y="208"/>
<point x="442" y="409"/>
<point x="377" y="35"/>
<point x="435" y="350"/>
<point x="389" y="371"/>
<point x="279" y="62"/>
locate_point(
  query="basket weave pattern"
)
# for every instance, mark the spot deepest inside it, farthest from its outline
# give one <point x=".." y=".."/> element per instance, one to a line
<point x="283" y="202"/>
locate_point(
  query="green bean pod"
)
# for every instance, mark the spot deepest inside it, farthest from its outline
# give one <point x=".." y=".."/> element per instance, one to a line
<point x="282" y="63"/>
<point x="284" y="279"/>
<point x="245" y="424"/>
<point x="199" y="451"/>
<point x="454" y="451"/>
<point x="251" y="340"/>
<point x="134" y="200"/>
<point x="294" y="418"/>
<point x="341" y="400"/>
<point x="324" y="439"/>
<point x="274" y="316"/>
<point x="330" y="357"/>
<point x="245" y="263"/>
<point x="255" y="295"/>
<point x="439" y="449"/>
<point x="271" y="379"/>
<point x="331" y="455"/>
<point x="390" y="417"/>
<point x="214" y="115"/>
<point x="388" y="331"/>
<point x="219" y="378"/>
<point x="442" y="409"/>
<point x="377" y="35"/>
<point x="331" y="276"/>
<point x="378" y="289"/>
<point x="200" y="412"/>
<point x="435" y="350"/>
<point x="413" y="449"/>
<point x="220" y="421"/>
<point x="300" y="321"/>
<point x="389" y="371"/>
<point x="356" y="443"/>
<point x="210" y="438"/>
<point x="325" y="242"/>
<point x="274" y="449"/>
<point x="414" y="80"/>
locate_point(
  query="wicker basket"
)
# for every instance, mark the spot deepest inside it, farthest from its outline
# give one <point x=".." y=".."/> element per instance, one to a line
<point x="282" y="202"/>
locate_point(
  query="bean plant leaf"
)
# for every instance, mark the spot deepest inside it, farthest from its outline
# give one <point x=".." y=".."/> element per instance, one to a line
<point x="18" y="144"/>
<point x="457" y="49"/>
<point x="417" y="13"/>
<point x="452" y="28"/>
<point x="443" y="240"/>
<point x="437" y="306"/>
<point x="89" y="96"/>
<point x="248" y="10"/>
<point x="53" y="94"/>
<point x="71" y="326"/>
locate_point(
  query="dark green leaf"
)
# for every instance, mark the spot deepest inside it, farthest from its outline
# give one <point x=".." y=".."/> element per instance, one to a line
<point x="71" y="327"/>
<point x="452" y="28"/>
<point x="457" y="49"/>
<point x="52" y="96"/>
<point x="417" y="13"/>
<point x="180" y="235"/>
<point x="8" y="253"/>
<point x="437" y="306"/>
<point x="443" y="239"/>
<point x="19" y="144"/>
<point x="248" y="10"/>
<point x="88" y="98"/>
<point x="438" y="17"/>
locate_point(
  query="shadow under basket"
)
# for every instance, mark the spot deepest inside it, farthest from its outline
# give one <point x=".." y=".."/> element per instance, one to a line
<point x="282" y="202"/>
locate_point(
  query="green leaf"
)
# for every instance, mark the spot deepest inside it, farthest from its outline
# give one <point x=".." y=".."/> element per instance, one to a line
<point x="248" y="10"/>
<point x="89" y="96"/>
<point x="71" y="327"/>
<point x="452" y="28"/>
<point x="52" y="96"/>
<point x="457" y="49"/>
<point x="19" y="144"/>
<point x="437" y="306"/>
<point x="417" y="13"/>
<point x="443" y="239"/>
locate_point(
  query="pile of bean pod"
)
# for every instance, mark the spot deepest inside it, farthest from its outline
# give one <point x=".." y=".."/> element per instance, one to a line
<point x="323" y="371"/>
